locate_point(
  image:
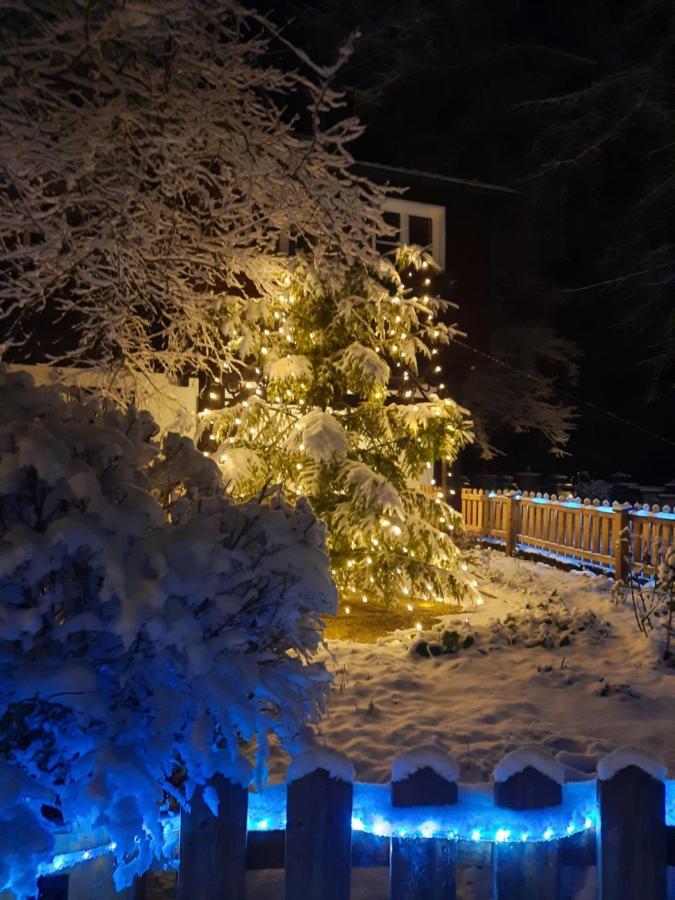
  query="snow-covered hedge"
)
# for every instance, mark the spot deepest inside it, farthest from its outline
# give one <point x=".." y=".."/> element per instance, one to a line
<point x="148" y="626"/>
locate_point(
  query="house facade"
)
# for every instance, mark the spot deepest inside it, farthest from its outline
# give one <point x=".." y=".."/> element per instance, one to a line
<point x="463" y="223"/>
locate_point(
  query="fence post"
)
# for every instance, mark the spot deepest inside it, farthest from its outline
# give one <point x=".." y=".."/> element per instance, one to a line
<point x="213" y="848"/>
<point x="53" y="887"/>
<point x="511" y="521"/>
<point x="621" y="543"/>
<point x="423" y="868"/>
<point x="318" y="833"/>
<point x="153" y="885"/>
<point x="526" y="869"/>
<point x="631" y="839"/>
<point x="94" y="878"/>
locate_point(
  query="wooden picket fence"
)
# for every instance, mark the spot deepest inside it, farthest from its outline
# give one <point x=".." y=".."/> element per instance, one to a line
<point x="587" y="534"/>
<point x="628" y="840"/>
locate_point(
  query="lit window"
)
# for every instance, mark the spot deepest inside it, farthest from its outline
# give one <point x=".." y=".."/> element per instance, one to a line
<point x="415" y="223"/>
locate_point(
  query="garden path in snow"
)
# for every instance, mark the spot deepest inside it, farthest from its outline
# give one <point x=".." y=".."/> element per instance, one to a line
<point x="551" y="660"/>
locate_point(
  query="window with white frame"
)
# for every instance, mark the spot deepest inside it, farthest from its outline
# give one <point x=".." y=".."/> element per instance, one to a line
<point x="415" y="223"/>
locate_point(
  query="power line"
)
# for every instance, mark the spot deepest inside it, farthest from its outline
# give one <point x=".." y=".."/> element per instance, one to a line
<point x="566" y="395"/>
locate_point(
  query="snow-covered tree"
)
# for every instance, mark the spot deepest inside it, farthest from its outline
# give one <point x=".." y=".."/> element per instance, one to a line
<point x="152" y="156"/>
<point x="151" y="631"/>
<point x="513" y="389"/>
<point x="334" y="406"/>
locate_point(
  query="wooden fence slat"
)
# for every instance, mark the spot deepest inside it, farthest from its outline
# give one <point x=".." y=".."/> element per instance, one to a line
<point x="94" y="878"/>
<point x="587" y="540"/>
<point x="213" y="848"/>
<point x="631" y="849"/>
<point x="265" y="850"/>
<point x="644" y="543"/>
<point x="576" y="530"/>
<point x="510" y="507"/>
<point x="425" y="787"/>
<point x="53" y="887"/>
<point x="545" y="527"/>
<point x="606" y="547"/>
<point x="423" y="868"/>
<point x="526" y="871"/>
<point x="154" y="885"/>
<point x="621" y="545"/>
<point x="318" y="838"/>
<point x="588" y="535"/>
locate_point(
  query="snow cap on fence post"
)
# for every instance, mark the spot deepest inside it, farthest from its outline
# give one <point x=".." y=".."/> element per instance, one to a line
<point x="426" y="776"/>
<point x="424" y="867"/>
<point x="631" y="841"/>
<point x="337" y="765"/>
<point x="319" y="798"/>
<point x="528" y="778"/>
<point x="623" y="757"/>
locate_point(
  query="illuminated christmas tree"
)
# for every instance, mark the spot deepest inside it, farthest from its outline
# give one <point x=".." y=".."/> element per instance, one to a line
<point x="335" y="401"/>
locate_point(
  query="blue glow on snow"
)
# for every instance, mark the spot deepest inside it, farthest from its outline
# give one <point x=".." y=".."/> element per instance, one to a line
<point x="648" y="512"/>
<point x="473" y="818"/>
<point x="64" y="861"/>
<point x="570" y="558"/>
<point x="429" y="829"/>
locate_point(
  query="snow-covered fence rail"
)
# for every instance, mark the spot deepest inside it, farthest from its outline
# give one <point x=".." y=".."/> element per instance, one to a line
<point x="532" y="831"/>
<point x="584" y="533"/>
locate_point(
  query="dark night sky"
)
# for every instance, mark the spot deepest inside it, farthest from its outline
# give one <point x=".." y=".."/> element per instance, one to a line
<point x="457" y="88"/>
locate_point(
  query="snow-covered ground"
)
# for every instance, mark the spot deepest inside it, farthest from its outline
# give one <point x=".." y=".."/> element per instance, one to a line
<point x="552" y="661"/>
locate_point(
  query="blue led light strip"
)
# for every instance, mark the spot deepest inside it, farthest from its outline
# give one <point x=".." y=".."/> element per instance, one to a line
<point x="67" y="860"/>
<point x="474" y="818"/>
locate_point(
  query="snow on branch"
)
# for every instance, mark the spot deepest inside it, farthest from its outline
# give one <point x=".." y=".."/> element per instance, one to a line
<point x="152" y="158"/>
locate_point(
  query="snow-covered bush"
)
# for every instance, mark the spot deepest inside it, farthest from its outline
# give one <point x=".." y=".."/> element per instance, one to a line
<point x="149" y="628"/>
<point x="653" y="599"/>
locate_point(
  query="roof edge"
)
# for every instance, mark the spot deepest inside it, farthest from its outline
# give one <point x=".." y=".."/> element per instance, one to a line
<point x="435" y="176"/>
